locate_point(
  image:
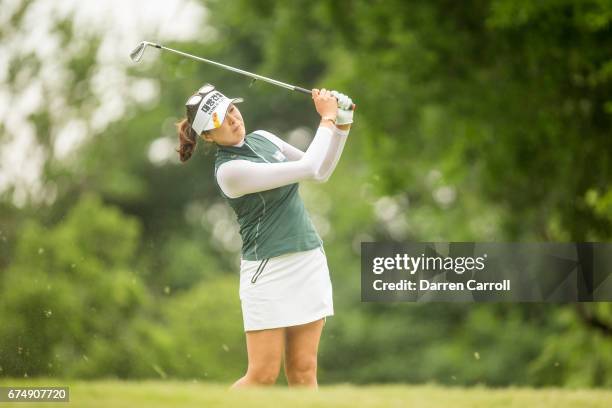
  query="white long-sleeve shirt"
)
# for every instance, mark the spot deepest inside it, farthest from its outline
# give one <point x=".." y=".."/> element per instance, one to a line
<point x="239" y="177"/>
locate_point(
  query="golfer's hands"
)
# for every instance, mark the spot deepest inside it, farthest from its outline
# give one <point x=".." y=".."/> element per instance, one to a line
<point x="344" y="115"/>
<point x="325" y="104"/>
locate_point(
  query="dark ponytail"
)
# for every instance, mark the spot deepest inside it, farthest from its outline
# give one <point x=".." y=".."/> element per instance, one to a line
<point x="187" y="139"/>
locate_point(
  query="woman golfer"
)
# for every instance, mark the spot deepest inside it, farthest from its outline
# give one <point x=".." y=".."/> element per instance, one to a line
<point x="285" y="289"/>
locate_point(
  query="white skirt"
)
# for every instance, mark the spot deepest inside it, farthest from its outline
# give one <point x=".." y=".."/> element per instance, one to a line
<point x="287" y="290"/>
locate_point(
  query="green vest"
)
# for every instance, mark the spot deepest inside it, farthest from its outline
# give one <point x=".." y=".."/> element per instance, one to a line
<point x="272" y="222"/>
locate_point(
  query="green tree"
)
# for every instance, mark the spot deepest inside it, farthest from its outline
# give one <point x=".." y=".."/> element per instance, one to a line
<point x="68" y="287"/>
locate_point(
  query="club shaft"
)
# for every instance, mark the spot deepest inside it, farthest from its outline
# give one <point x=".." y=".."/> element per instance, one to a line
<point x="237" y="70"/>
<point x="227" y="67"/>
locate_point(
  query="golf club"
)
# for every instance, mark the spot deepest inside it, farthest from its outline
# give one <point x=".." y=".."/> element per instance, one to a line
<point x="138" y="52"/>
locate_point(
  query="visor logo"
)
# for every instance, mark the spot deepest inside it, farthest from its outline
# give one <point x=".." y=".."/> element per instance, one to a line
<point x="215" y="119"/>
<point x="212" y="102"/>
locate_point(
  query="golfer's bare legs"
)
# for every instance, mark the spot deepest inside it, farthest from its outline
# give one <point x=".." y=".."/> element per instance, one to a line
<point x="265" y="350"/>
<point x="301" y="347"/>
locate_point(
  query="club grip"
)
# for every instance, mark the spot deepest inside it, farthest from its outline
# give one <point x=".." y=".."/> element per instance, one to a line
<point x="303" y="90"/>
<point x="309" y="92"/>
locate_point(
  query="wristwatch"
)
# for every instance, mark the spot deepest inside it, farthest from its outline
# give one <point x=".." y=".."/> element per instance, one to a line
<point x="330" y="118"/>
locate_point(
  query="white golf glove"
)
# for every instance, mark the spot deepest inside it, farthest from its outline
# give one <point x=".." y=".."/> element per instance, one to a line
<point x="344" y="116"/>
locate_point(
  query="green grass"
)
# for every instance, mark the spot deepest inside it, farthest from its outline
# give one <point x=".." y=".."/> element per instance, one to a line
<point x="151" y="394"/>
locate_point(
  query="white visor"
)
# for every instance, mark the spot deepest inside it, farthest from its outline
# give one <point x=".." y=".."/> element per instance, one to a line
<point x="211" y="111"/>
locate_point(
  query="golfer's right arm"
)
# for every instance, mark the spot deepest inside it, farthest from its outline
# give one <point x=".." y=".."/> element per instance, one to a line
<point x="239" y="177"/>
<point x="329" y="161"/>
<point x="344" y="117"/>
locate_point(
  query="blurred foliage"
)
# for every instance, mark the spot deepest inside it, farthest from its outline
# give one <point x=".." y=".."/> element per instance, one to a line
<point x="69" y="287"/>
<point x="484" y="120"/>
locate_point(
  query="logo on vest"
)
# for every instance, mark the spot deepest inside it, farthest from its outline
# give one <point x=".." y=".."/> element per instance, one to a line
<point x="279" y="156"/>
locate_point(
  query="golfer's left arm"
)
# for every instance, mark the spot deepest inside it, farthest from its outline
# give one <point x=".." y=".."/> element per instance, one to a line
<point x="344" y="119"/>
<point x="333" y="155"/>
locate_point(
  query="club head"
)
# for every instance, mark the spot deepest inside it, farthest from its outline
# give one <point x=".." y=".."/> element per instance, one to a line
<point x="138" y="52"/>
